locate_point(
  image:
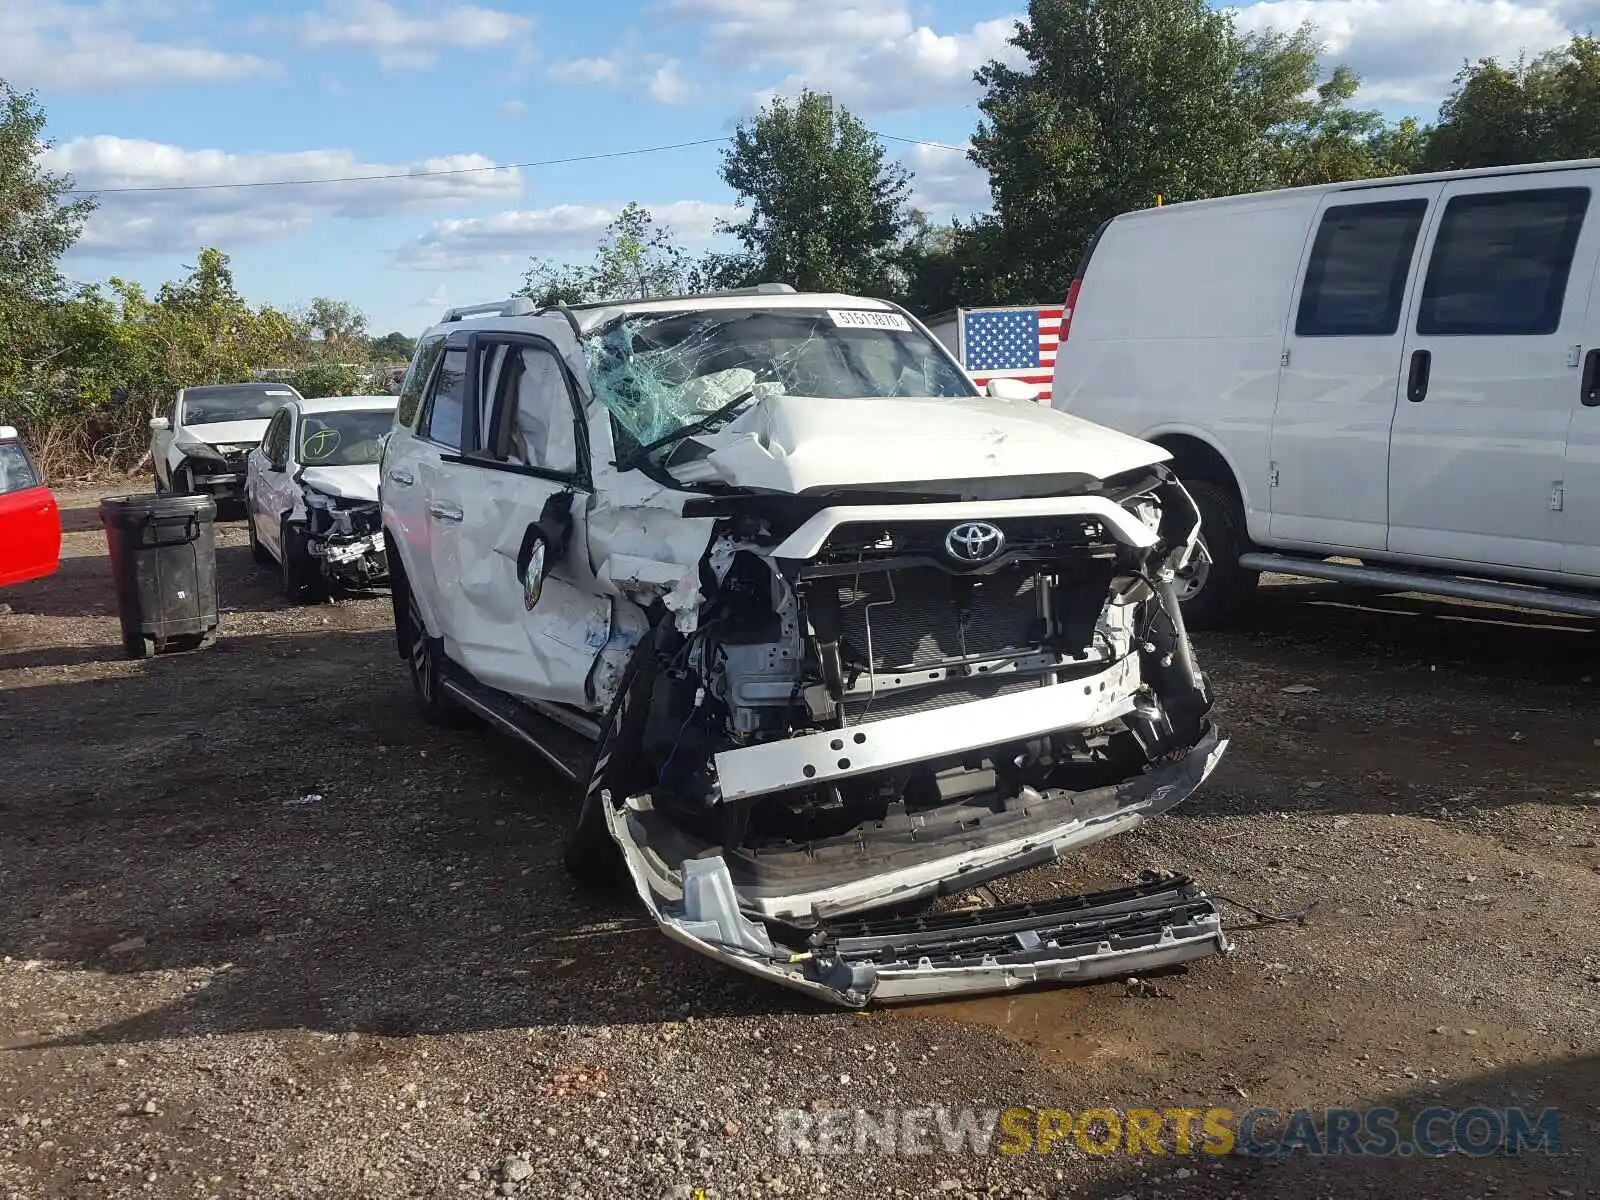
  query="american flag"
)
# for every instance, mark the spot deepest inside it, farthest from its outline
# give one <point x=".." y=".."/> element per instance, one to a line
<point x="1012" y="343"/>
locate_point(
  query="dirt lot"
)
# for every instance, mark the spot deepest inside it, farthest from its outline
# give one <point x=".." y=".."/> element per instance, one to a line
<point x="265" y="933"/>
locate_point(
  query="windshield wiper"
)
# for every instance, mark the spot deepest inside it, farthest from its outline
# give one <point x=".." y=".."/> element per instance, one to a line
<point x="700" y="425"/>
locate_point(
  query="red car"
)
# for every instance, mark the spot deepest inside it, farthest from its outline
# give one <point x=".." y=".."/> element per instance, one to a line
<point x="30" y="522"/>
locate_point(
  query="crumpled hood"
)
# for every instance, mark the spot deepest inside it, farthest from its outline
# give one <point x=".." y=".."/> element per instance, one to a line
<point x="794" y="443"/>
<point x="223" y="433"/>
<point x="344" y="483"/>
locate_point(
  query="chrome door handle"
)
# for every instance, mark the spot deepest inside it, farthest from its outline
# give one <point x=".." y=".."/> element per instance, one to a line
<point x="444" y="512"/>
<point x="403" y="478"/>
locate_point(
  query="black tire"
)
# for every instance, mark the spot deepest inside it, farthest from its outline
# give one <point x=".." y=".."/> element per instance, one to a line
<point x="427" y="665"/>
<point x="302" y="580"/>
<point x="1215" y="590"/>
<point x="180" y="481"/>
<point x="591" y="856"/>
<point x="258" y="553"/>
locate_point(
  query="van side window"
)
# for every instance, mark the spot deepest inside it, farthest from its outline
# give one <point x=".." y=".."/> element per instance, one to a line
<point x="1356" y="279"/>
<point x="1501" y="262"/>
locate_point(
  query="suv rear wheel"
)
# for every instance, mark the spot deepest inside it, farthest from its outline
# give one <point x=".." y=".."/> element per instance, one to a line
<point x="1214" y="587"/>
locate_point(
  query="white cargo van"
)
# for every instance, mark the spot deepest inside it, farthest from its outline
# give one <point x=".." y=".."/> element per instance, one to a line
<point x="1405" y="372"/>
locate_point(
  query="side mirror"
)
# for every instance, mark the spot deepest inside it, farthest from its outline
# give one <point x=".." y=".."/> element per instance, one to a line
<point x="157" y="424"/>
<point x="1012" y="389"/>
<point x="543" y="544"/>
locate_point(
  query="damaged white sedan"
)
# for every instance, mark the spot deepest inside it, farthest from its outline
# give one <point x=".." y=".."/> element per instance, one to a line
<point x="825" y="634"/>
<point x="311" y="494"/>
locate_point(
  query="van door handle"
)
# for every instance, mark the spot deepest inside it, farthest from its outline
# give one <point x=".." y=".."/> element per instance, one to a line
<point x="1417" y="380"/>
<point x="403" y="478"/>
<point x="444" y="512"/>
<point x="1589" y="389"/>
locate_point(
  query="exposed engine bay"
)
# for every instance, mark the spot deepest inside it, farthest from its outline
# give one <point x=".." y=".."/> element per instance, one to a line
<point x="887" y="703"/>
<point x="344" y="536"/>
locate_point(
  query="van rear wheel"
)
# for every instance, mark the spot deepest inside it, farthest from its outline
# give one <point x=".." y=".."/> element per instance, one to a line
<point x="1213" y="588"/>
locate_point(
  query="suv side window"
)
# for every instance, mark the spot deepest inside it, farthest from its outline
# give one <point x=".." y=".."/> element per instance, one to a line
<point x="16" y="472"/>
<point x="1501" y="262"/>
<point x="1356" y="280"/>
<point x="441" y="417"/>
<point x="416" y="378"/>
<point x="534" y="423"/>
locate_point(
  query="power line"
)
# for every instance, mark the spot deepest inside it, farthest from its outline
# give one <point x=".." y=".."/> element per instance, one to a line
<point x="523" y="166"/>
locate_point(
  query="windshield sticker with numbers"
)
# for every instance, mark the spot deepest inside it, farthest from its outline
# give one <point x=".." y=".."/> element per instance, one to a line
<point x="857" y="318"/>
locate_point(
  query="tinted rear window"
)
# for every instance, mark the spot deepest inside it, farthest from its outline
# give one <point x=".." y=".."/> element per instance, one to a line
<point x="1356" y="279"/>
<point x="1501" y="263"/>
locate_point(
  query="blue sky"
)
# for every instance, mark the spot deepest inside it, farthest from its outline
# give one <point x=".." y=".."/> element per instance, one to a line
<point x="177" y="93"/>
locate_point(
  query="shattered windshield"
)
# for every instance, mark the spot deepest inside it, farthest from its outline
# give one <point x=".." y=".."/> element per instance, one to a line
<point x="658" y="372"/>
<point x="343" y="439"/>
<point x="233" y="402"/>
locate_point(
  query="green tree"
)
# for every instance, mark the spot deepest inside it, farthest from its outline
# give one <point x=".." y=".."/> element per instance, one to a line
<point x="1544" y="111"/>
<point x="1121" y="101"/>
<point x="38" y="221"/>
<point x="638" y="258"/>
<point x="392" y="347"/>
<point x="328" y="379"/>
<point x="335" y="327"/>
<point x="827" y="211"/>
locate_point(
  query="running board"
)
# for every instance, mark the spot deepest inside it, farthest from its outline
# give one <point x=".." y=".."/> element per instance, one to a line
<point x="1512" y="595"/>
<point x="561" y="742"/>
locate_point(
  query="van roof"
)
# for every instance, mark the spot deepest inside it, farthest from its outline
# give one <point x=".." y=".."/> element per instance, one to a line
<point x="1360" y="185"/>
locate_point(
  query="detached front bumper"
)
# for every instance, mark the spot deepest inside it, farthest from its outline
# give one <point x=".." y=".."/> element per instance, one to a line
<point x="806" y="940"/>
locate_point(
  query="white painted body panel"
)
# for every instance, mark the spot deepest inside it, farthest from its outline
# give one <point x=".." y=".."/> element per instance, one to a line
<point x="794" y="443"/>
<point x="1580" y="550"/>
<point x="1473" y="467"/>
<point x="1336" y="405"/>
<point x="1181" y="328"/>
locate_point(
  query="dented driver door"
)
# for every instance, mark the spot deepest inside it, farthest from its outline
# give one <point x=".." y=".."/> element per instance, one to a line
<point x="521" y="478"/>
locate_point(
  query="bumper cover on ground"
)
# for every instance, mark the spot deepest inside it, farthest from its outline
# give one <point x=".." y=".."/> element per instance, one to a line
<point x="854" y="962"/>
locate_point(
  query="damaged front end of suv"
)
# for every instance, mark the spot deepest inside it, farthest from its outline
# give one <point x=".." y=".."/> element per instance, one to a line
<point x="868" y="695"/>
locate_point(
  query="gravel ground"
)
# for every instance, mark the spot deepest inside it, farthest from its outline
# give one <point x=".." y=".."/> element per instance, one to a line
<point x="265" y="933"/>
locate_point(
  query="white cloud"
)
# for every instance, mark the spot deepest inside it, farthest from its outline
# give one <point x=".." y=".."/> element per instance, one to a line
<point x="1408" y="51"/>
<point x="564" y="231"/>
<point x="400" y="40"/>
<point x="129" y="224"/>
<point x="586" y="70"/>
<point x="512" y="109"/>
<point x="874" y="58"/>
<point x="652" y="75"/>
<point x="59" y="46"/>
<point x="946" y="183"/>
<point x="667" y="86"/>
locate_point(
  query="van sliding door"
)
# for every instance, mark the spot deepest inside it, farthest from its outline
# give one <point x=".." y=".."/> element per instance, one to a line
<point x="1342" y="368"/>
<point x="1493" y="360"/>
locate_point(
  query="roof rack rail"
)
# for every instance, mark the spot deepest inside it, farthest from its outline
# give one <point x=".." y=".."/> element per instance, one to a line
<point x="515" y="306"/>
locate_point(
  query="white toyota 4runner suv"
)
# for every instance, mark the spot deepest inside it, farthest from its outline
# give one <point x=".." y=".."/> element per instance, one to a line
<point x="820" y="629"/>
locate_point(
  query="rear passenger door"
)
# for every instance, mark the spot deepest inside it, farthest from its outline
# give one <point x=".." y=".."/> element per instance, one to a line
<point x="1492" y="364"/>
<point x="1341" y="376"/>
<point x="524" y="460"/>
<point x="1580" y="551"/>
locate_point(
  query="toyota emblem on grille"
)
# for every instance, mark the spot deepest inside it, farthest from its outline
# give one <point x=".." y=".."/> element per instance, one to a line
<point x="974" y="542"/>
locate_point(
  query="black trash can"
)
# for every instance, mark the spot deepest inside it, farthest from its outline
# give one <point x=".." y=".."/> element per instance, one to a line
<point x="164" y="564"/>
